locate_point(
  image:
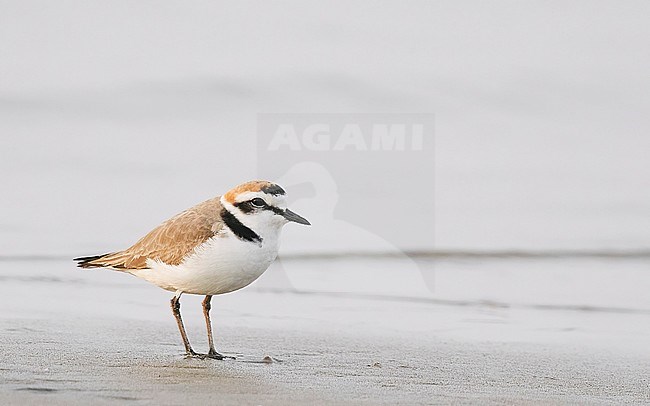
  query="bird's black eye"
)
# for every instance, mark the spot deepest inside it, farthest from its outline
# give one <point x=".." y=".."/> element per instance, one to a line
<point x="258" y="202"/>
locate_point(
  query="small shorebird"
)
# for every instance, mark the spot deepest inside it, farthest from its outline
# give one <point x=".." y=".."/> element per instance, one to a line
<point x="215" y="247"/>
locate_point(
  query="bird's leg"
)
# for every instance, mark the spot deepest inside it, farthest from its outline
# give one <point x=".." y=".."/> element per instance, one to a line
<point x="208" y="324"/>
<point x="176" y="309"/>
<point x="212" y="353"/>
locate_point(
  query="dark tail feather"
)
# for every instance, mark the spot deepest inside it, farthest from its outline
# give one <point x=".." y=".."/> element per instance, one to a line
<point x="87" y="262"/>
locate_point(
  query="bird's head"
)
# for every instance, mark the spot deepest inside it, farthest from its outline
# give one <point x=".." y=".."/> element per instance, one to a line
<point x="260" y="204"/>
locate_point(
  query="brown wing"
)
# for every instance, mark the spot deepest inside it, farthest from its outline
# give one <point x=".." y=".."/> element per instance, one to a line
<point x="170" y="242"/>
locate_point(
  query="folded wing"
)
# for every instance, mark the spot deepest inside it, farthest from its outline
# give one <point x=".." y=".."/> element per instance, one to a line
<point x="170" y="242"/>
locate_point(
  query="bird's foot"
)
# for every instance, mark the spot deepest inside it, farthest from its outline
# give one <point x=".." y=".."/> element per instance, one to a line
<point x="192" y="354"/>
<point x="215" y="355"/>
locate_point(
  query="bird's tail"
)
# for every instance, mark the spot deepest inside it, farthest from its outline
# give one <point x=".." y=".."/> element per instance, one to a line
<point x="94" y="261"/>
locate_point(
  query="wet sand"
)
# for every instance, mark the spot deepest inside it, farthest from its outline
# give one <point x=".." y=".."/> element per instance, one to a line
<point x="74" y="337"/>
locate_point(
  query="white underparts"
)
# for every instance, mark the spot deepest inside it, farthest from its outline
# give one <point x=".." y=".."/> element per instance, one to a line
<point x="222" y="264"/>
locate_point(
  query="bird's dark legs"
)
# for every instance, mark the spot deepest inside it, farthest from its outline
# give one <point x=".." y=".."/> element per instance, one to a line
<point x="189" y="352"/>
<point x="212" y="353"/>
<point x="176" y="309"/>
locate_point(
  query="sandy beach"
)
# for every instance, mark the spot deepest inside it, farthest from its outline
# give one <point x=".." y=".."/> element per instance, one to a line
<point x="79" y="337"/>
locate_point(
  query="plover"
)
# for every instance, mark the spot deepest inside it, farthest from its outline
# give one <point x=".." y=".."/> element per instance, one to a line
<point x="215" y="247"/>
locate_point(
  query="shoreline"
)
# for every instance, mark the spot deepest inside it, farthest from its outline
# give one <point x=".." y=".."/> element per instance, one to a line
<point x="75" y="337"/>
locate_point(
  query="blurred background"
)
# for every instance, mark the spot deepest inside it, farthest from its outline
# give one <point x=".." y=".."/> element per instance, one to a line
<point x="115" y="116"/>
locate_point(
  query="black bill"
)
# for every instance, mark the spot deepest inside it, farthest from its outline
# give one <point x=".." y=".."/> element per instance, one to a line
<point x="291" y="216"/>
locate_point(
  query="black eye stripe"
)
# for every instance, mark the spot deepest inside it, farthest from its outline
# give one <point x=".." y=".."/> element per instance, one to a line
<point x="245" y="207"/>
<point x="248" y="207"/>
<point x="274" y="209"/>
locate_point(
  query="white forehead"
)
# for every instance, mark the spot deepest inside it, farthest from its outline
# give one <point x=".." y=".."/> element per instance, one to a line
<point x="271" y="200"/>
